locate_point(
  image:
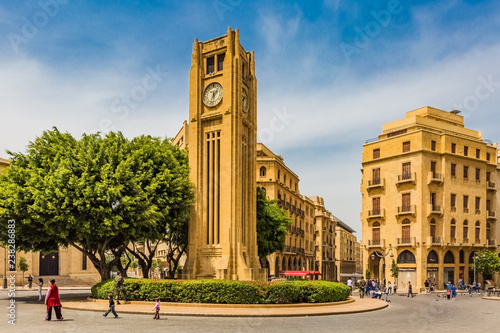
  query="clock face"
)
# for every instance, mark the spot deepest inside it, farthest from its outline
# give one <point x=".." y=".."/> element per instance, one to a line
<point x="213" y="94"/>
<point x="245" y="100"/>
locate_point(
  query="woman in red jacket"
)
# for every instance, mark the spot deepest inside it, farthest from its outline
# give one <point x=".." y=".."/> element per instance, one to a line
<point x="52" y="301"/>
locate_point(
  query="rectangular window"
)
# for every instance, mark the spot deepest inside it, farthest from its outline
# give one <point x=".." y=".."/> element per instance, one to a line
<point x="453" y="148"/>
<point x="452" y="231"/>
<point x="376" y="176"/>
<point x="478" y="174"/>
<point x="220" y="61"/>
<point x="488" y="175"/>
<point x="488" y="157"/>
<point x="406" y="202"/>
<point x="407" y="170"/>
<point x="433" y="145"/>
<point x="466" y="203"/>
<point x="210" y="65"/>
<point x="376" y="206"/>
<point x="453" y="170"/>
<point x="488" y="205"/>
<point x="466" y="151"/>
<point x="478" y="203"/>
<point x="466" y="172"/>
<point x="376" y="153"/>
<point x="433" y="168"/>
<point x="406" y="146"/>
<point x="478" y="153"/>
<point x="453" y="201"/>
<point x="84" y="262"/>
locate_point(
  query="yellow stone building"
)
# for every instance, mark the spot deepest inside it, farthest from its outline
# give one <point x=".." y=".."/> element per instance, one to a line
<point x="222" y="157"/>
<point x="428" y="198"/>
<point x="282" y="184"/>
<point x="345" y="251"/>
<point x="325" y="240"/>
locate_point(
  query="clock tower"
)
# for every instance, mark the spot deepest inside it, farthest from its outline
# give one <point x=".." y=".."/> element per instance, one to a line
<point x="222" y="157"/>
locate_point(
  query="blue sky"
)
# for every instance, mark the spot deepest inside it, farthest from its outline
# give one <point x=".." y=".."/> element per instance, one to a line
<point x="337" y="69"/>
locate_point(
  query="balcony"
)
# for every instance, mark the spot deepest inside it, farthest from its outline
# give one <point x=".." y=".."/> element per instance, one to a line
<point x="407" y="241"/>
<point x="453" y="241"/>
<point x="491" y="215"/>
<point x="466" y="210"/>
<point x="406" y="178"/>
<point x="433" y="177"/>
<point x="376" y="183"/>
<point x="465" y="241"/>
<point x="491" y="186"/>
<point x="492" y="242"/>
<point x="376" y="214"/>
<point x="406" y="210"/>
<point x="434" y="240"/>
<point x="477" y="241"/>
<point x="434" y="209"/>
<point x="376" y="243"/>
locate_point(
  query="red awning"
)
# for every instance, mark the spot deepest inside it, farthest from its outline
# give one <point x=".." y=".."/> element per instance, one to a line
<point x="299" y="273"/>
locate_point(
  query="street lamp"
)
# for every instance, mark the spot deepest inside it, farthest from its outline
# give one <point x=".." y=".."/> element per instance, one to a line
<point x="382" y="255"/>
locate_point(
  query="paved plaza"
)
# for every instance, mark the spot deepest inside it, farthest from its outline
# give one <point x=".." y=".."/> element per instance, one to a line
<point x="424" y="313"/>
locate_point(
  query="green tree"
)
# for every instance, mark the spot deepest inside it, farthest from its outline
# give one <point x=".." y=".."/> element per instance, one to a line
<point x="487" y="263"/>
<point x="394" y="269"/>
<point x="97" y="194"/>
<point x="23" y="265"/>
<point x="272" y="223"/>
<point x="368" y="274"/>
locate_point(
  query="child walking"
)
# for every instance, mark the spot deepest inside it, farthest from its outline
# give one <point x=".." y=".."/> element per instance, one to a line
<point x="111" y="306"/>
<point x="157" y="309"/>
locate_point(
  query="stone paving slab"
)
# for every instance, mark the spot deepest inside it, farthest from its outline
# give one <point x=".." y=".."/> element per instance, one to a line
<point x="228" y="310"/>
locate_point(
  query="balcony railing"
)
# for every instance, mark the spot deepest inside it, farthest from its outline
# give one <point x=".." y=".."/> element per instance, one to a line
<point x="478" y="241"/>
<point x="491" y="186"/>
<point x="453" y="241"/>
<point x="406" y="178"/>
<point x="375" y="183"/>
<point x="492" y="242"/>
<point x="434" y="177"/>
<point x="435" y="240"/>
<point x="465" y="240"/>
<point x="434" y="209"/>
<point x="376" y="213"/>
<point x="406" y="210"/>
<point x="376" y="243"/>
<point x="478" y="211"/>
<point x="466" y="210"/>
<point x="406" y="241"/>
<point x="491" y="215"/>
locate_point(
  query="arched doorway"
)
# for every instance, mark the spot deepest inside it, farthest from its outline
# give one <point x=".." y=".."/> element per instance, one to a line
<point x="432" y="268"/>
<point x="49" y="263"/>
<point x="448" y="272"/>
<point x="407" y="270"/>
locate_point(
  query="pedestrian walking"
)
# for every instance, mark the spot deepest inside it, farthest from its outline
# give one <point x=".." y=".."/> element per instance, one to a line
<point x="349" y="284"/>
<point x="426" y="284"/>
<point x="361" y="288"/>
<point x="389" y="287"/>
<point x="395" y="286"/>
<point x="111" y="306"/>
<point x="157" y="309"/>
<point x="30" y="281"/>
<point x="469" y="289"/>
<point x="410" y="289"/>
<point x="52" y="300"/>
<point x="40" y="285"/>
<point x="453" y="292"/>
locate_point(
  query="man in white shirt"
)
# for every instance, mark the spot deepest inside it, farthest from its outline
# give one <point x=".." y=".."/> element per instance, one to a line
<point x="349" y="284"/>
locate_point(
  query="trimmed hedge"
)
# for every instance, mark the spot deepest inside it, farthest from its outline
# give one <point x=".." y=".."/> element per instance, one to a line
<point x="227" y="292"/>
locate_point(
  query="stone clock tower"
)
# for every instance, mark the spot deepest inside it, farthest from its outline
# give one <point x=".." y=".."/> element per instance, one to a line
<point x="222" y="156"/>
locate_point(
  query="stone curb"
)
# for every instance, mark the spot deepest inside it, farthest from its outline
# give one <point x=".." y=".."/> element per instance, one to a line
<point x="224" y="310"/>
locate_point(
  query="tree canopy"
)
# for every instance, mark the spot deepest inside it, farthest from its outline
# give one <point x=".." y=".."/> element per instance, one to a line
<point x="272" y="223"/>
<point x="487" y="262"/>
<point x="97" y="194"/>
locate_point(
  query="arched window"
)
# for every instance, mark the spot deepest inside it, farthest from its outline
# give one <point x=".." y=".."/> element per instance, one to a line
<point x="471" y="257"/>
<point x="406" y="257"/>
<point x="376" y="233"/>
<point x="283" y="265"/>
<point x="432" y="257"/>
<point x="452" y="229"/>
<point x="478" y="232"/>
<point x="449" y="258"/>
<point x="405" y="232"/>
<point x="461" y="256"/>
<point x="263" y="171"/>
<point x="466" y="231"/>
